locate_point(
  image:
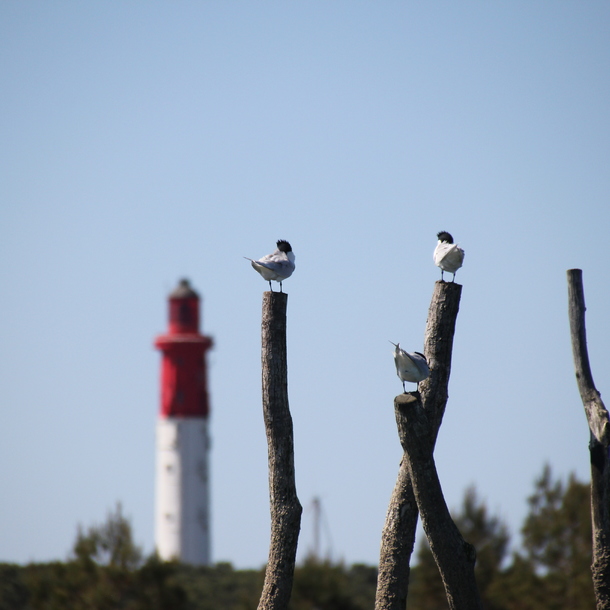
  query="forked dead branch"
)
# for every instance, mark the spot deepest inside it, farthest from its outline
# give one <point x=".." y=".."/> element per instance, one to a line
<point x="417" y="489"/>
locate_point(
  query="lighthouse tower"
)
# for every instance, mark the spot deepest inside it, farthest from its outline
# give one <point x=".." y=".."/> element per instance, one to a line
<point x="182" y="496"/>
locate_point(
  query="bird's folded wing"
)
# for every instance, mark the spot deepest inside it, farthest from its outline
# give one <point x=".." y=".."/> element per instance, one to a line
<point x="410" y="361"/>
<point x="405" y="362"/>
<point x="272" y="265"/>
<point x="456" y="254"/>
<point x="443" y="250"/>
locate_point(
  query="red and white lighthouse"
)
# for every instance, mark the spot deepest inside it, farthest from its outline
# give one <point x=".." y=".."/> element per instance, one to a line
<point x="182" y="495"/>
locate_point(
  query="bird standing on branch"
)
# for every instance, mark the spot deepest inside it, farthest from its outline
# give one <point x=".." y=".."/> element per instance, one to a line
<point x="410" y="367"/>
<point x="447" y="255"/>
<point x="276" y="266"/>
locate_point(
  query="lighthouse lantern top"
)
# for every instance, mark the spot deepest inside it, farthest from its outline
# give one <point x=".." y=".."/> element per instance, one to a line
<point x="183" y="309"/>
<point x="184" y="291"/>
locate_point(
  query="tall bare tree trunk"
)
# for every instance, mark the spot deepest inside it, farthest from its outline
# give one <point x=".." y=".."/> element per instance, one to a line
<point x="597" y="418"/>
<point x="398" y="536"/>
<point x="285" y="506"/>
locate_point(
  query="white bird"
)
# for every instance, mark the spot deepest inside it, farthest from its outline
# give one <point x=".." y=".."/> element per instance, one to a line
<point x="276" y="266"/>
<point x="447" y="255"/>
<point x="410" y="367"/>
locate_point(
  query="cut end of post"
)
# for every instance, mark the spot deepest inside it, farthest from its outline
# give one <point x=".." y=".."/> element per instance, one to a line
<point x="275" y="300"/>
<point x="574" y="275"/>
<point x="446" y="290"/>
<point x="275" y="293"/>
<point x="407" y="398"/>
<point x="448" y="285"/>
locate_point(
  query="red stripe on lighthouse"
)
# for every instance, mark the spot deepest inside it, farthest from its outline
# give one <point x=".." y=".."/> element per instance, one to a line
<point x="184" y="391"/>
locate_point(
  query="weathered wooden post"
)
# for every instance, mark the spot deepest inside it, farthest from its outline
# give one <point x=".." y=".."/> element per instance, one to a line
<point x="284" y="503"/>
<point x="398" y="536"/>
<point x="597" y="418"/>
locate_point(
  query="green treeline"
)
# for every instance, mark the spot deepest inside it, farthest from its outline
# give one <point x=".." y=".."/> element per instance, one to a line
<point x="551" y="572"/>
<point x="107" y="572"/>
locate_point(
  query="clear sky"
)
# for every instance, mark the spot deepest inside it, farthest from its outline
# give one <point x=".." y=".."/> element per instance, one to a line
<point x="143" y="142"/>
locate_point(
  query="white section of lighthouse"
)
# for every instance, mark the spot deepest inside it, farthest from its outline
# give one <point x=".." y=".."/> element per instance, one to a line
<point x="182" y="521"/>
<point x="182" y="494"/>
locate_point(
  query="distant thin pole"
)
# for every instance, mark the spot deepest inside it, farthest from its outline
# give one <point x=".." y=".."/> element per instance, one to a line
<point x="315" y="503"/>
<point x="285" y="506"/>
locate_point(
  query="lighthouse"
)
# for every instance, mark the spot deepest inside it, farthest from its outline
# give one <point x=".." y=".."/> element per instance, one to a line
<point x="182" y="494"/>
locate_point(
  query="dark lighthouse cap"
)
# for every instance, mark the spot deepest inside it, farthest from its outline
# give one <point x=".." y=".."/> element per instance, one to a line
<point x="184" y="291"/>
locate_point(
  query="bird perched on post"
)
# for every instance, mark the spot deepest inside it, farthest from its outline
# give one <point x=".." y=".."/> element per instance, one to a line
<point x="410" y="367"/>
<point x="447" y="255"/>
<point x="276" y="266"/>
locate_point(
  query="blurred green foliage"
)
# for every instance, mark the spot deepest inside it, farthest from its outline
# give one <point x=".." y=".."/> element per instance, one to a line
<point x="108" y="572"/>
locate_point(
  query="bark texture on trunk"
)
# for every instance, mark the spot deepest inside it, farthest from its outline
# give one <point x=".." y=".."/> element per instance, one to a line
<point x="285" y="506"/>
<point x="397" y="540"/>
<point x="597" y="418"/>
<point x="454" y="556"/>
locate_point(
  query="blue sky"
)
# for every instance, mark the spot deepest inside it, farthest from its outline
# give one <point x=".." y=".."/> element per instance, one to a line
<point x="143" y="142"/>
